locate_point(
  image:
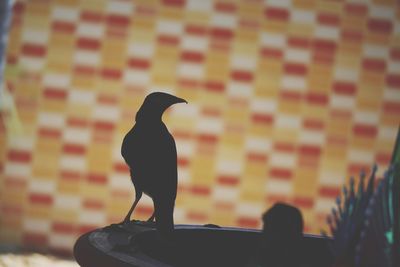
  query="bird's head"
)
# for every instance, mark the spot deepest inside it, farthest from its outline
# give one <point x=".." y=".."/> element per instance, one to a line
<point x="155" y="104"/>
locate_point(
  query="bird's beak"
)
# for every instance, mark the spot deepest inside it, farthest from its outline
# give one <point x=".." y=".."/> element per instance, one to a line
<point x="180" y="100"/>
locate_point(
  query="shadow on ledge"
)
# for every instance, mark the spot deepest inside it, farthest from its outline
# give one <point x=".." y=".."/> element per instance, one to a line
<point x="139" y="245"/>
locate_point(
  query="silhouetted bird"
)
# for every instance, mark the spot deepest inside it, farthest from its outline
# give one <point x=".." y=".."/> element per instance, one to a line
<point x="150" y="151"/>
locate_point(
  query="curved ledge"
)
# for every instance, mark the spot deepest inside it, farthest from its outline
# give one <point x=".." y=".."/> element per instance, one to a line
<point x="138" y="245"/>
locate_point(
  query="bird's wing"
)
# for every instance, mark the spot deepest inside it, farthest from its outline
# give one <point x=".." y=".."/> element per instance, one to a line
<point x="151" y="156"/>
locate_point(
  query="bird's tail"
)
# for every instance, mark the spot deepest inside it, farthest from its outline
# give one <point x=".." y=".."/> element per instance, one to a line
<point x="164" y="212"/>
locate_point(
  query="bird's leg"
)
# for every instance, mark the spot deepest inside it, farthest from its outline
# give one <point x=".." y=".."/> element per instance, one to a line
<point x="137" y="198"/>
<point x="151" y="219"/>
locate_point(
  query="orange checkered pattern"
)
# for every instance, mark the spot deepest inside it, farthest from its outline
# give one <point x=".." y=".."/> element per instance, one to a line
<point x="287" y="98"/>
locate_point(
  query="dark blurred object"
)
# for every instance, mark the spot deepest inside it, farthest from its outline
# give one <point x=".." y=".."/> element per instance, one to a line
<point x="366" y="224"/>
<point x="282" y="237"/>
<point x="380" y="240"/>
<point x="347" y="220"/>
<point x="195" y="246"/>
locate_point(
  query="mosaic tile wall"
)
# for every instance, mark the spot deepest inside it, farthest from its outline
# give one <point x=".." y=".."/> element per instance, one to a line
<point x="287" y="98"/>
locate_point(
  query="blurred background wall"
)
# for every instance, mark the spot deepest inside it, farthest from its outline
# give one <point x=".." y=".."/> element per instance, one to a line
<point x="287" y="99"/>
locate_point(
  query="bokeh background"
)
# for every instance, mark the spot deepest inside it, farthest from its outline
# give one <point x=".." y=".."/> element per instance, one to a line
<point x="287" y="100"/>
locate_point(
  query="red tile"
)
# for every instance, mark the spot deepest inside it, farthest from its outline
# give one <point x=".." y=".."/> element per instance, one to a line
<point x="228" y="180"/>
<point x="382" y="158"/>
<point x="174" y="3"/>
<point x="18" y="8"/>
<point x="84" y="70"/>
<point x="324" y="46"/>
<point x="256" y="157"/>
<point x="242" y="76"/>
<point x="106" y="99"/>
<point x="365" y="130"/>
<point x="381" y="26"/>
<point x="329" y="191"/>
<point x="328" y="19"/>
<point x="374" y="65"/>
<point x="249" y="24"/>
<point x="12" y="59"/>
<point x="225" y="7"/>
<point x="182" y="135"/>
<point x="303" y="202"/>
<point x="211" y="112"/>
<point x="344" y="88"/>
<point x="74" y="149"/>
<point x="295" y="69"/>
<point x="188" y="83"/>
<point x="224" y="206"/>
<point x="49" y="133"/>
<point x="55" y="94"/>
<point x="145" y="10"/>
<point x="222" y="33"/>
<point x="393" y="80"/>
<point x="208" y="138"/>
<point x="356" y="9"/>
<point x="200" y="190"/>
<point x="262" y="118"/>
<point x="121" y="167"/>
<point x="298" y="42"/>
<point x="275" y="13"/>
<point x="10" y="209"/>
<point x="103" y="126"/>
<point x="323" y="58"/>
<point x="183" y="162"/>
<point x="215" y="86"/>
<point x="191" y="56"/>
<point x="168" y="40"/>
<point x="33" y="50"/>
<point x="71" y="176"/>
<point x="63" y="27"/>
<point x="247" y="222"/>
<point x="351" y="35"/>
<point x="97" y="178"/>
<point x="284" y="147"/>
<point x="336" y="140"/>
<point x="197" y="216"/>
<point x="93" y="204"/>
<point x="118" y="20"/>
<point x="144" y="210"/>
<point x="63" y="228"/>
<point x="111" y="74"/>
<point x="85" y="228"/>
<point x="341" y="114"/>
<point x="90" y="16"/>
<point x="290" y="96"/>
<point x="39" y="198"/>
<point x="391" y="107"/>
<point x="280" y="173"/>
<point x="139" y="63"/>
<point x="313" y="124"/>
<point x="196" y="29"/>
<point x="88" y="43"/>
<point x="317" y="98"/>
<point x="19" y="156"/>
<point x="35" y="239"/>
<point x="77" y="122"/>
<point x="271" y="53"/>
<point x="14" y="183"/>
<point x="309" y="150"/>
<point x="395" y="53"/>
